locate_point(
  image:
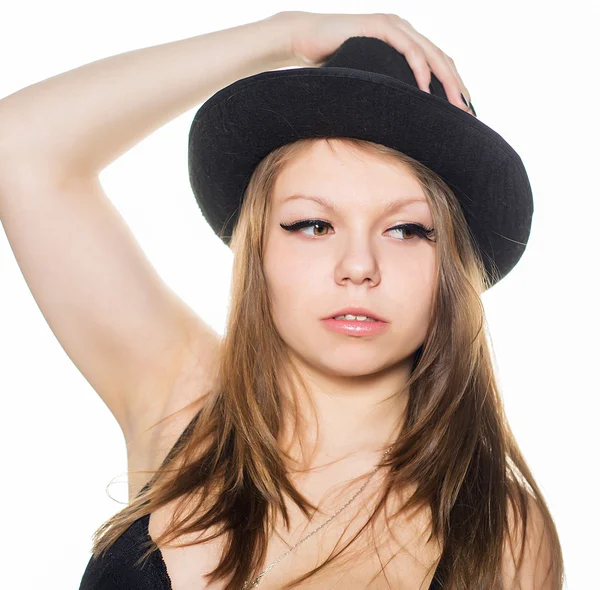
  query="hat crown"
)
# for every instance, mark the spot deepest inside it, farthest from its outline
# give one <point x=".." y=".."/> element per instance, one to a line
<point x="371" y="54"/>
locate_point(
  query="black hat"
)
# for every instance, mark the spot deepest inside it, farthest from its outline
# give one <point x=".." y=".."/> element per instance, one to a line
<point x="365" y="90"/>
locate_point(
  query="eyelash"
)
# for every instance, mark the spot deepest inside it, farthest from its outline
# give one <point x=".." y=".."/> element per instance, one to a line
<point x="423" y="232"/>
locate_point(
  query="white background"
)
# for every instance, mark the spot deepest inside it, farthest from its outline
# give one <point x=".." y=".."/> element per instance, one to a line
<point x="531" y="69"/>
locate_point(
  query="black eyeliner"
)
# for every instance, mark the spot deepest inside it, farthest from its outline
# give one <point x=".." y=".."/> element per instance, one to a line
<point x="423" y="231"/>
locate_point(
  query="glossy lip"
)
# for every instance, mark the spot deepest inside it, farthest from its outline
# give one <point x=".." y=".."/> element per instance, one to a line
<point x="355" y="327"/>
<point x="356" y="311"/>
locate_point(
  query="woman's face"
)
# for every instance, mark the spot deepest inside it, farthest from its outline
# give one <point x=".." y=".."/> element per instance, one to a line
<point x="316" y="271"/>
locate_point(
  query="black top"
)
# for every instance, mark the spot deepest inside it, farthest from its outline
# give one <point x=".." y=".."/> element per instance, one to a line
<point x="116" y="571"/>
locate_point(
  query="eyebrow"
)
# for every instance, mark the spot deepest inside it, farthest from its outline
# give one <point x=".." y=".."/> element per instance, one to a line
<point x="391" y="206"/>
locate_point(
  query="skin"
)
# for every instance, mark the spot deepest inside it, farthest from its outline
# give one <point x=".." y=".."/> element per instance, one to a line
<point x="316" y="271"/>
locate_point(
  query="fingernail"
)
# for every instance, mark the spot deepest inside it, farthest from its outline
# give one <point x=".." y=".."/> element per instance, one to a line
<point x="469" y="104"/>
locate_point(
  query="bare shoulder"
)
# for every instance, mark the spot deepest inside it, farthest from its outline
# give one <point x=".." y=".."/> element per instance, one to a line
<point x="529" y="559"/>
<point x="157" y="429"/>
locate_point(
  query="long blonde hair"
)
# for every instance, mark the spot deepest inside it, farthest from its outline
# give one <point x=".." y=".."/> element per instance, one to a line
<point x="456" y="449"/>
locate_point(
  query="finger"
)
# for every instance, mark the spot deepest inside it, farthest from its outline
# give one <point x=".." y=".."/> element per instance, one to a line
<point x="464" y="90"/>
<point x="412" y="51"/>
<point x="446" y="75"/>
<point x="417" y="60"/>
<point x="440" y="64"/>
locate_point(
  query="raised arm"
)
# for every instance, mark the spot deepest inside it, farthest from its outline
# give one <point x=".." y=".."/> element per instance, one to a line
<point x="128" y="333"/>
<point x="80" y="121"/>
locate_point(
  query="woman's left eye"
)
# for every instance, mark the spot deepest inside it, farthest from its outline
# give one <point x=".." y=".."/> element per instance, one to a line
<point x="405" y="228"/>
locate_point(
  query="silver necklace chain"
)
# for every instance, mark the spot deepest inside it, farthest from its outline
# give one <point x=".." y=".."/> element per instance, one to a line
<point x="257" y="580"/>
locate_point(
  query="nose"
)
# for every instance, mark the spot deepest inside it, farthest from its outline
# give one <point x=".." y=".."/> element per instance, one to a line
<point x="358" y="263"/>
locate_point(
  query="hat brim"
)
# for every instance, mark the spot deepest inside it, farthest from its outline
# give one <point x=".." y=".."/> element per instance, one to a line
<point x="243" y="122"/>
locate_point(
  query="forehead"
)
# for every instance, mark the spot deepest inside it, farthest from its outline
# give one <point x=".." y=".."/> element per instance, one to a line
<point x="344" y="176"/>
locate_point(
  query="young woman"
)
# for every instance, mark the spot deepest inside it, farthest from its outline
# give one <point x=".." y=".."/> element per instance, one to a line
<point x="347" y="431"/>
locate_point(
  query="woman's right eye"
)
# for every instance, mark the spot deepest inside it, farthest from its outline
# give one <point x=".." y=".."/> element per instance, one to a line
<point x="317" y="223"/>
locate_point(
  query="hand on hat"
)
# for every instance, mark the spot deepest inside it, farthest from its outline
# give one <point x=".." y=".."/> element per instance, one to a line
<point x="314" y="37"/>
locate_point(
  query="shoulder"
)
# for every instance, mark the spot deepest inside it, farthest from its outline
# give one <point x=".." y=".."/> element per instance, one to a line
<point x="536" y="567"/>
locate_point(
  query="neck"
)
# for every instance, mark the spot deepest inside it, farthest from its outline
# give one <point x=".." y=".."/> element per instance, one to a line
<point x="354" y="417"/>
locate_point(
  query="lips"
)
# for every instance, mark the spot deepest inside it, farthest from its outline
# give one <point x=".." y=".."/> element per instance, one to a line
<point x="357" y="311"/>
<point x="355" y="328"/>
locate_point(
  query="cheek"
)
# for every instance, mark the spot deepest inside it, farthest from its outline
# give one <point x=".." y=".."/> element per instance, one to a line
<point x="414" y="287"/>
<point x="407" y="283"/>
<point x="300" y="294"/>
<point x="295" y="287"/>
<point x="414" y="280"/>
